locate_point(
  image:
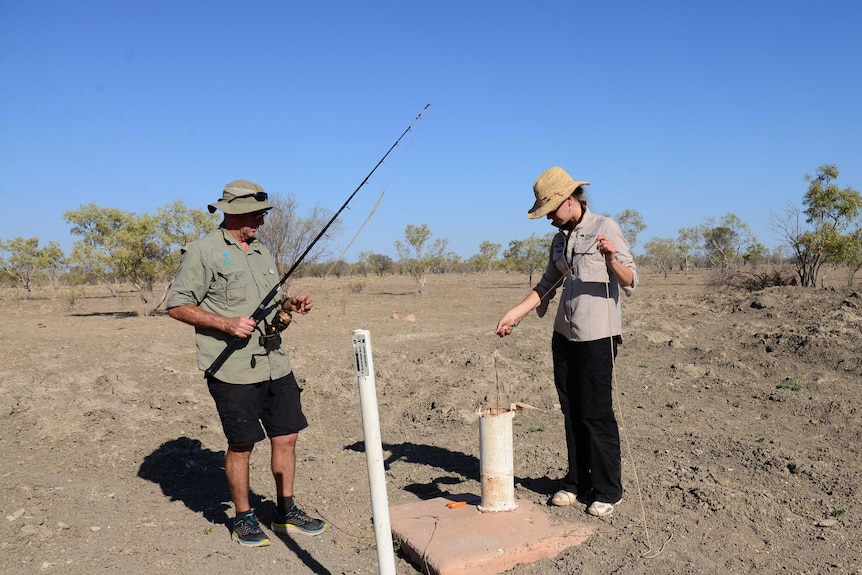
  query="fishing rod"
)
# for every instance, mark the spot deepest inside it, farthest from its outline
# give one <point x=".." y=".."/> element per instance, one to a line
<point x="261" y="311"/>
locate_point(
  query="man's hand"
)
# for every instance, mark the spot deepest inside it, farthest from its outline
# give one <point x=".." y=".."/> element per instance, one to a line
<point x="239" y="326"/>
<point x="298" y="304"/>
<point x="193" y="315"/>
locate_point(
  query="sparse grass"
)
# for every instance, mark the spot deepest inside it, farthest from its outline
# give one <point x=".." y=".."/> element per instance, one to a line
<point x="791" y="385"/>
<point x="643" y="365"/>
<point x="214" y="554"/>
<point x="535" y="428"/>
<point x="760" y="439"/>
<point x="836" y="513"/>
<point x="73" y="297"/>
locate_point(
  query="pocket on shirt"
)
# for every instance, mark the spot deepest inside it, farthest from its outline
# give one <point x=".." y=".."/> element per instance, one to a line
<point x="230" y="288"/>
<point x="591" y="268"/>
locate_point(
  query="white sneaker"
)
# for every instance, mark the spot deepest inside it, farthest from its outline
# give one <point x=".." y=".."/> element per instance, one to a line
<point x="601" y="509"/>
<point x="562" y="498"/>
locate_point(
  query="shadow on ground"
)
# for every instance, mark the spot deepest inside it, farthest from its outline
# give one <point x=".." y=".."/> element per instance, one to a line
<point x="189" y="473"/>
<point x="454" y="462"/>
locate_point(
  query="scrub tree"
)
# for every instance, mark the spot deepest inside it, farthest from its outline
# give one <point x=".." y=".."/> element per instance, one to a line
<point x="487" y="256"/>
<point x="378" y="264"/>
<point x="140" y="249"/>
<point x="528" y="256"/>
<point x="417" y="257"/>
<point x="25" y="262"/>
<point x="631" y="223"/>
<point x="664" y="253"/>
<point x="287" y="234"/>
<point x="831" y="224"/>
<point x="729" y="243"/>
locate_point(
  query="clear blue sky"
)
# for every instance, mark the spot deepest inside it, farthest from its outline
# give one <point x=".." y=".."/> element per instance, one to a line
<point x="681" y="110"/>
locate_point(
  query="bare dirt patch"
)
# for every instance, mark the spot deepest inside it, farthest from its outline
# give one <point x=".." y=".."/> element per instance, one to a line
<point x="740" y="420"/>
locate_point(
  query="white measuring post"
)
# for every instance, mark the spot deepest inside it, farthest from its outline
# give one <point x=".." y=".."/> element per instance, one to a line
<point x="373" y="451"/>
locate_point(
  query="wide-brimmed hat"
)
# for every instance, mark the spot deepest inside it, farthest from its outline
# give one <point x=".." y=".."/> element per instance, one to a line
<point x="551" y="188"/>
<point x="241" y="197"/>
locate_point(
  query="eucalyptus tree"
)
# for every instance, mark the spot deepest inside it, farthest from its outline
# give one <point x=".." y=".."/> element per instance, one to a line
<point x="378" y="264"/>
<point x="25" y="262"/>
<point x="528" y="256"/>
<point x="486" y="258"/>
<point x="727" y="242"/>
<point x="632" y="224"/>
<point x="664" y="254"/>
<point x="418" y="257"/>
<point x="827" y="234"/>
<point x="142" y="249"/>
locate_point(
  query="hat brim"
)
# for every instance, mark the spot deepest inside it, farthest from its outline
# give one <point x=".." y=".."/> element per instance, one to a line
<point x="240" y="206"/>
<point x="544" y="206"/>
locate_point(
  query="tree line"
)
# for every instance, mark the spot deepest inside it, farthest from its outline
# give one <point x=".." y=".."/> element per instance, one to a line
<point x="823" y="235"/>
<point x="144" y="250"/>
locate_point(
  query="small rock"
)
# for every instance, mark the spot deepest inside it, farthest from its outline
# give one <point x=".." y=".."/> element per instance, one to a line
<point x="95" y="528"/>
<point x="831" y="522"/>
<point x="15" y="515"/>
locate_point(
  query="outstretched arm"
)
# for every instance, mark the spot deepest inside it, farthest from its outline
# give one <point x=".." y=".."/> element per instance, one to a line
<point x="508" y="322"/>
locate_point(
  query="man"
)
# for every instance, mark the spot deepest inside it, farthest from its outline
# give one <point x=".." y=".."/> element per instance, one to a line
<point x="222" y="279"/>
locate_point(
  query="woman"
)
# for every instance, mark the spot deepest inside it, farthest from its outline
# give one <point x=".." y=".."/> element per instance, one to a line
<point x="591" y="259"/>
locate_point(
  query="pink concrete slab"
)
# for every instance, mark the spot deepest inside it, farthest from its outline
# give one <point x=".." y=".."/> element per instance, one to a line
<point x="464" y="541"/>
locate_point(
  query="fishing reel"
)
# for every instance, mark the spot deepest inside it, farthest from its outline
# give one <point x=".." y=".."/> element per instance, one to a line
<point x="271" y="340"/>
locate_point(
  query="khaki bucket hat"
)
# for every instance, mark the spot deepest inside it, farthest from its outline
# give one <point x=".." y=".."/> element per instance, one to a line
<point x="241" y="197"/>
<point x="551" y="188"/>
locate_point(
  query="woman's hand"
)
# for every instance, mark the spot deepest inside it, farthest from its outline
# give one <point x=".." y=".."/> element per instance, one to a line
<point x="606" y="247"/>
<point x="506" y="325"/>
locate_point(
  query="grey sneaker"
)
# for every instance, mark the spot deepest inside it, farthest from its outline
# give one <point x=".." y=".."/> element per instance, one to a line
<point x="297" y="520"/>
<point x="247" y="531"/>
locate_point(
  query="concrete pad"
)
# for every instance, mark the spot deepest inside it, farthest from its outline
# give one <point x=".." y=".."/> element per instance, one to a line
<point x="464" y="541"/>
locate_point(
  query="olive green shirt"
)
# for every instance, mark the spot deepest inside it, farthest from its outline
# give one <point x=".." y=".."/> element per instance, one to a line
<point x="218" y="276"/>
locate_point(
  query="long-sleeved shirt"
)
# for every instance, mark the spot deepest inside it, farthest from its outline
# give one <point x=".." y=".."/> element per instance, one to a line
<point x="585" y="313"/>
<point x="218" y="276"/>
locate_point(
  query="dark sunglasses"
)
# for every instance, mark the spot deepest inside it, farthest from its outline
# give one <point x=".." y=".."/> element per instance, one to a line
<point x="259" y="196"/>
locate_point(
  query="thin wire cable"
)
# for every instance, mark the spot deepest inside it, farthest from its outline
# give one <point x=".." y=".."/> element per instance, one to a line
<point x="374" y="209"/>
<point x="553" y="288"/>
<point x="623" y="428"/>
<point x="615" y="388"/>
<point x="356" y="235"/>
<point x="311" y="388"/>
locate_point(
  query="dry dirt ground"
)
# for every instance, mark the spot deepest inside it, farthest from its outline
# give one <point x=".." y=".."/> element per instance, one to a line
<point x="739" y="412"/>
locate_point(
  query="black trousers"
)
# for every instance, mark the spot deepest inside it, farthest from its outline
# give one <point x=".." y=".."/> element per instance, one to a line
<point x="583" y="374"/>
